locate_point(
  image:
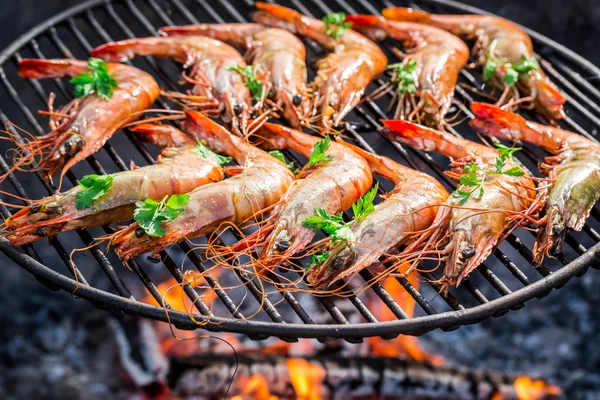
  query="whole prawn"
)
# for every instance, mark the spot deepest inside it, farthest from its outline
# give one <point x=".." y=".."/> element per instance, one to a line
<point x="410" y="207"/>
<point x="210" y="61"/>
<point x="574" y="171"/>
<point x="434" y="56"/>
<point x="343" y="75"/>
<point x="261" y="183"/>
<point x="178" y="170"/>
<point x="332" y="185"/>
<point x="493" y="206"/>
<point x="502" y="46"/>
<point x="80" y="128"/>
<point x="271" y="50"/>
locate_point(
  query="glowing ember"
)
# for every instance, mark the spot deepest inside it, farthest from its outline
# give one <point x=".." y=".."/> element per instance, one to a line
<point x="528" y="389"/>
<point x="407" y="346"/>
<point x="256" y="388"/>
<point x="307" y="379"/>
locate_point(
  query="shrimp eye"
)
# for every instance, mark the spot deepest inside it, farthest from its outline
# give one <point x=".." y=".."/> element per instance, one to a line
<point x="41" y="232"/>
<point x="238" y="108"/>
<point x="33" y="208"/>
<point x="283" y="245"/>
<point x="468" y="251"/>
<point x="154" y="259"/>
<point x="338" y="263"/>
<point x="297" y="99"/>
<point x="139" y="233"/>
<point x="557" y="230"/>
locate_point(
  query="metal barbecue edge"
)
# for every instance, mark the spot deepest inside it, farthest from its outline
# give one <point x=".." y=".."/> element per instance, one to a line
<point x="259" y="329"/>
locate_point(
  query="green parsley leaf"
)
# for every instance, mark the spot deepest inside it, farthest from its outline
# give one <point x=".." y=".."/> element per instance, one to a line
<point x="514" y="171"/>
<point x="403" y="76"/>
<point x="506" y="151"/>
<point x="332" y="224"/>
<point x="471" y="167"/>
<point x="364" y="206"/>
<point x="279" y="155"/>
<point x="94" y="187"/>
<point x="96" y="80"/>
<point x="150" y="214"/>
<point x="469" y="180"/>
<point x="204" y="152"/>
<point x="526" y="64"/>
<point x="511" y="77"/>
<point x="489" y="70"/>
<point x="317" y="259"/>
<point x="318" y="153"/>
<point x="461" y="196"/>
<point x="336" y="25"/>
<point x="253" y="84"/>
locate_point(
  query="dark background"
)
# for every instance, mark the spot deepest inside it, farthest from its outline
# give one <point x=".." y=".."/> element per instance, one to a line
<point x="573" y="23"/>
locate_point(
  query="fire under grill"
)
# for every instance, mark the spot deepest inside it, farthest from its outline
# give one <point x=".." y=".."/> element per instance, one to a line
<point x="505" y="282"/>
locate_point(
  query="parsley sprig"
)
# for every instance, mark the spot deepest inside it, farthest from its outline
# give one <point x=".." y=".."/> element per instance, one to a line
<point x="318" y="153"/>
<point x="94" y="187"/>
<point x="336" y="25"/>
<point x="513" y="70"/>
<point x="475" y="184"/>
<point x="150" y="214"/>
<point x="317" y="259"/>
<point x="203" y="151"/>
<point x="253" y="84"/>
<point x="279" y="155"/>
<point x="403" y="76"/>
<point x="334" y="224"/>
<point x="97" y="79"/>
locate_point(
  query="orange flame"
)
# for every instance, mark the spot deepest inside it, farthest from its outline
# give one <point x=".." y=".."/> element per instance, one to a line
<point x="528" y="389"/>
<point x="256" y="388"/>
<point x="402" y="345"/>
<point x="307" y="379"/>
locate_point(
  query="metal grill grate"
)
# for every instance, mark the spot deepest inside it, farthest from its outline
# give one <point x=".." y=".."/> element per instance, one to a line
<point x="504" y="282"/>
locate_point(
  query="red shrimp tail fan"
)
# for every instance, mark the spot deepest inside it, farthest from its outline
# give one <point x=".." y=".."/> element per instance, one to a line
<point x="491" y="120"/>
<point x="33" y="68"/>
<point x="414" y="135"/>
<point x="406" y="14"/>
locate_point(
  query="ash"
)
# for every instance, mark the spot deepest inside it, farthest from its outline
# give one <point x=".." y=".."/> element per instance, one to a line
<point x="555" y="338"/>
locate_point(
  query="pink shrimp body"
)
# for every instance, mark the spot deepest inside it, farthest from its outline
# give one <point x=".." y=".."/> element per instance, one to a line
<point x="343" y="75"/>
<point x="178" y="170"/>
<point x="410" y="207"/>
<point x="210" y="61"/>
<point x="271" y="50"/>
<point x="496" y="37"/>
<point x="574" y="168"/>
<point x="95" y="120"/>
<point x="262" y="183"/>
<point x="471" y="231"/>
<point x="333" y="186"/>
<point x="439" y="57"/>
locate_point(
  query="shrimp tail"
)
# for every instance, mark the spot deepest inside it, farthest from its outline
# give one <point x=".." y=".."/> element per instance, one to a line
<point x="406" y="14"/>
<point x="549" y="100"/>
<point x="162" y="135"/>
<point x="372" y="26"/>
<point x="551" y="236"/>
<point x="494" y="121"/>
<point x="32" y="68"/>
<point x="276" y="15"/>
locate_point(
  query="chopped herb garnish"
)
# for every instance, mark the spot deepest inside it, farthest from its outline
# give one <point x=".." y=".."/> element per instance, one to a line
<point x="403" y="76"/>
<point x="150" y="214"/>
<point x="94" y="187"/>
<point x="471" y="180"/>
<point x="253" y="84"/>
<point x="364" y="206"/>
<point x="334" y="225"/>
<point x="203" y="151"/>
<point x="96" y="80"/>
<point x="512" y="71"/>
<point x="318" y="153"/>
<point x="336" y="25"/>
<point x="317" y="259"/>
<point x="279" y="155"/>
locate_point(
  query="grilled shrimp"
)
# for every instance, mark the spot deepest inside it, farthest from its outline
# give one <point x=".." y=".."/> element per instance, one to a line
<point x="84" y="125"/>
<point x="470" y="227"/>
<point x="178" y="170"/>
<point x="343" y="75"/>
<point x="574" y="170"/>
<point x="263" y="181"/>
<point x="502" y="46"/>
<point x="210" y="61"/>
<point x="333" y="186"/>
<point x="410" y="207"/>
<point x="434" y="56"/>
<point x="271" y="50"/>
